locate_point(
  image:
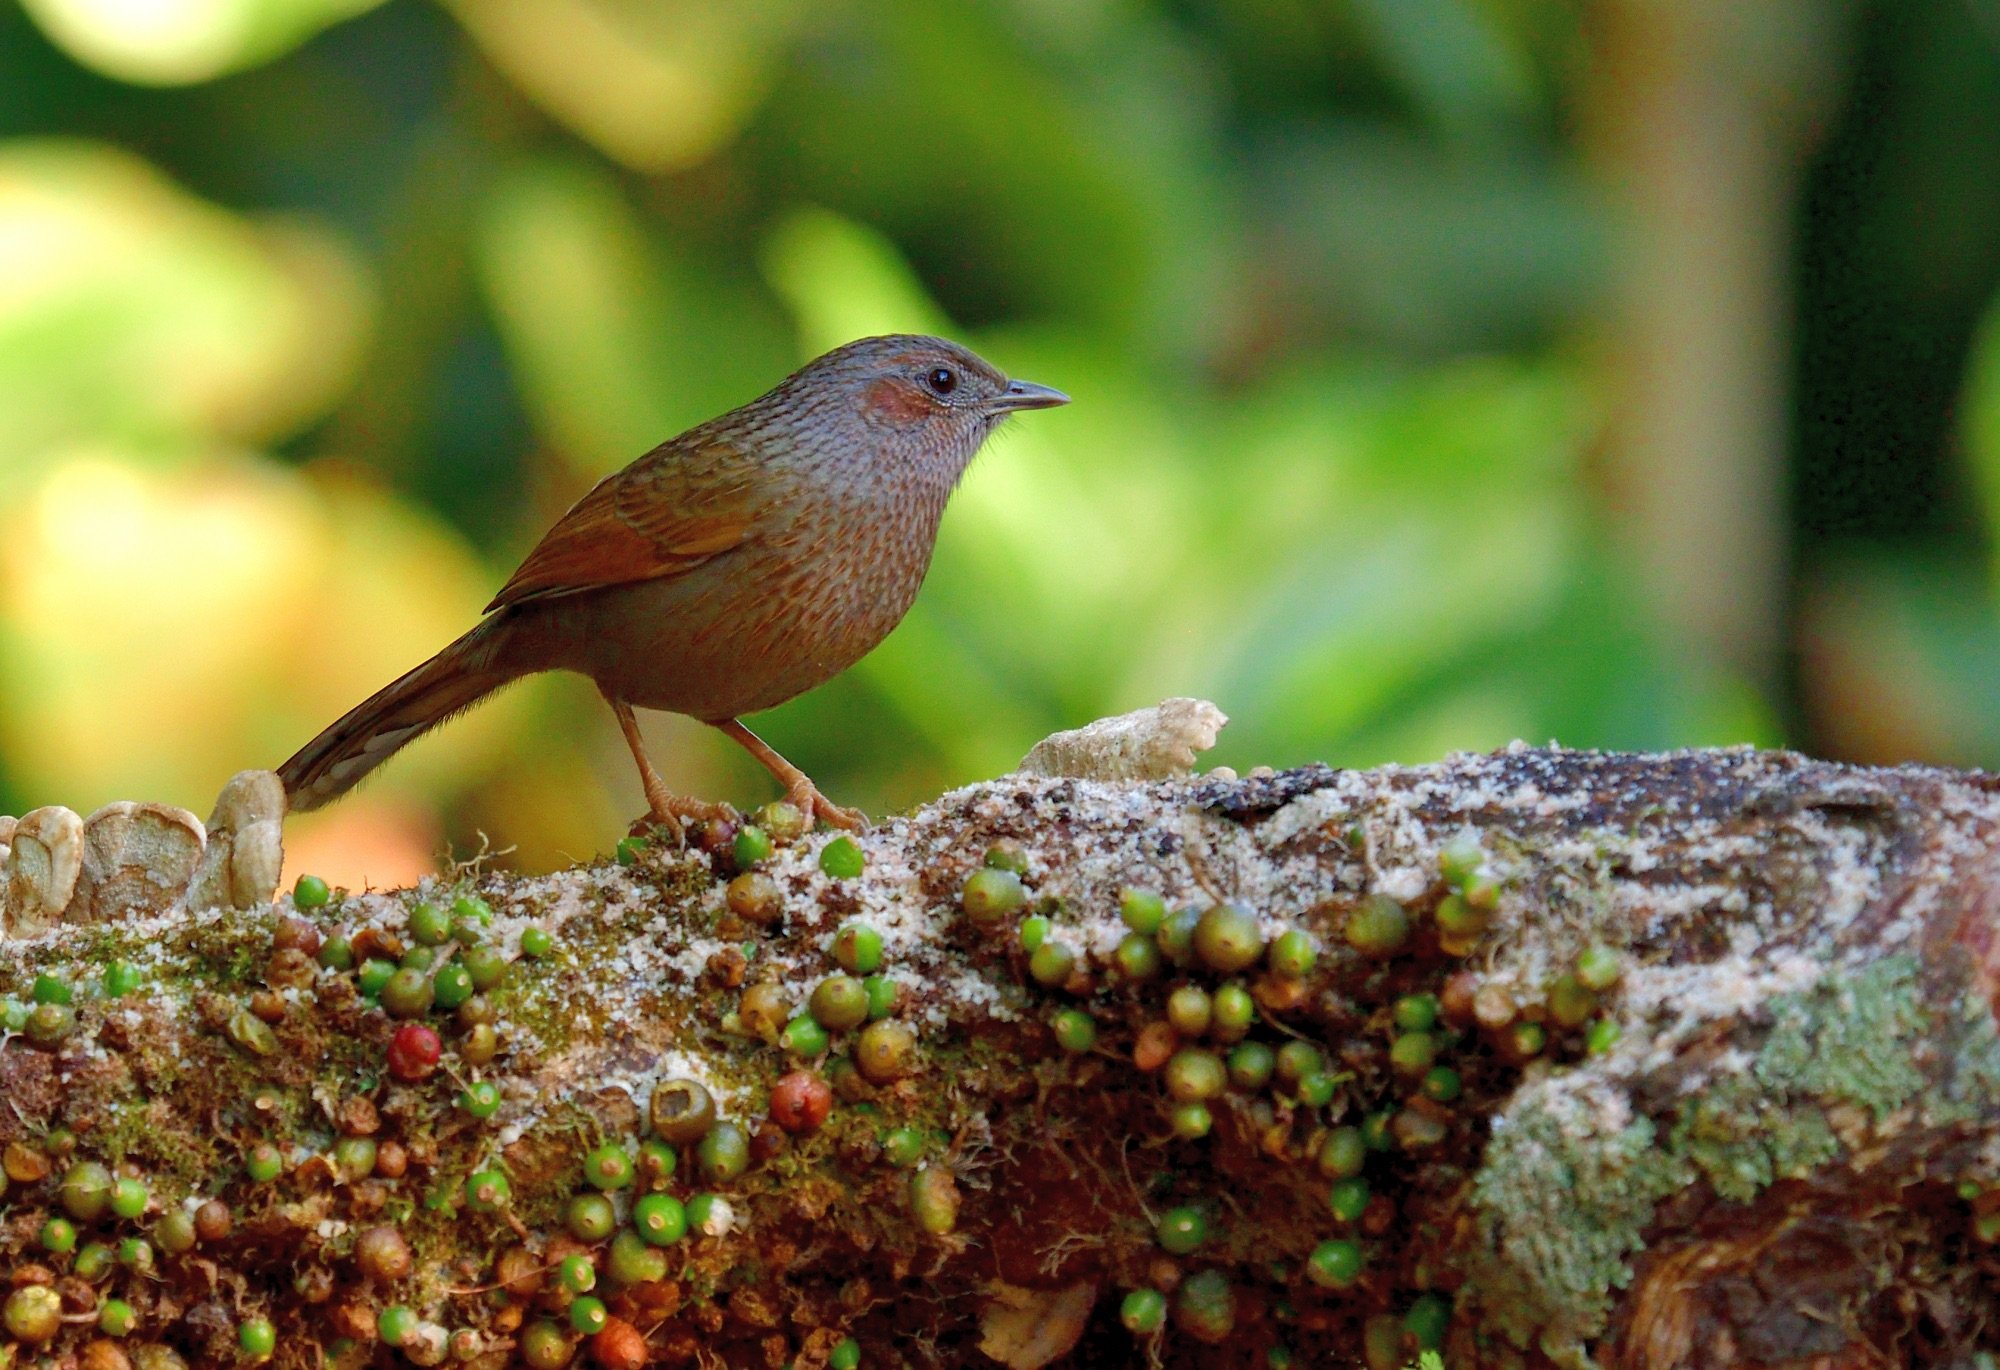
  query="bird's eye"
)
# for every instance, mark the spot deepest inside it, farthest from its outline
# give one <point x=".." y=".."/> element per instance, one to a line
<point x="942" y="381"/>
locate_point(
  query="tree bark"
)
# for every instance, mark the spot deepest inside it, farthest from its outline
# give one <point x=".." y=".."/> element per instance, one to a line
<point x="1655" y="1061"/>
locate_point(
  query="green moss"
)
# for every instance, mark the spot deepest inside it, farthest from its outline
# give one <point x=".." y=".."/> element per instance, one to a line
<point x="1563" y="1206"/>
<point x="1849" y="1038"/>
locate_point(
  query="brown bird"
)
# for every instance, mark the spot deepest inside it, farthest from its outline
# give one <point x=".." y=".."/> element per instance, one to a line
<point x="725" y="571"/>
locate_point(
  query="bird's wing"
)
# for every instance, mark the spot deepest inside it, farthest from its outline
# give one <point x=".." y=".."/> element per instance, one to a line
<point x="663" y="515"/>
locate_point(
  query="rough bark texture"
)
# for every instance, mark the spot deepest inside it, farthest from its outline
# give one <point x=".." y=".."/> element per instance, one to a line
<point x="1769" y="1136"/>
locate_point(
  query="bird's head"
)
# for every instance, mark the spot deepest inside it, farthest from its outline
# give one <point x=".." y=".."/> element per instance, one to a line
<point x="923" y="399"/>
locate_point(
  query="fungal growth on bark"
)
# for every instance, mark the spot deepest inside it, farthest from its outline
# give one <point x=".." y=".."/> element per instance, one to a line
<point x="1537" y="1058"/>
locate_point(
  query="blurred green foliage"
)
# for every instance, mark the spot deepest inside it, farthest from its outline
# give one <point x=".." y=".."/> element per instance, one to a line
<point x="313" y="313"/>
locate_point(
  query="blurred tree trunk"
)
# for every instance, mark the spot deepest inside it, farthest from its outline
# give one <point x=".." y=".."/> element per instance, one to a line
<point x="1699" y="114"/>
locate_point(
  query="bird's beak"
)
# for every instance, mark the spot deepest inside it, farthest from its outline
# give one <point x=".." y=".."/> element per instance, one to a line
<point x="1028" y="395"/>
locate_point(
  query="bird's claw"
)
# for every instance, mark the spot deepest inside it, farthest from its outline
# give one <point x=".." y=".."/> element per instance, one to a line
<point x="807" y="799"/>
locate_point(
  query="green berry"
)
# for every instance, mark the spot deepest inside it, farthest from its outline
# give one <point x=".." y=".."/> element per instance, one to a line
<point x="858" y="949"/>
<point x="536" y="943"/>
<point x="1006" y="855"/>
<point x="1457" y="919"/>
<point x="1296" y="1060"/>
<point x="396" y="1324"/>
<point x="1190" y="1010"/>
<point x="803" y="1036"/>
<point x="14" y="1014"/>
<point x="545" y="1346"/>
<point x="1227" y="938"/>
<point x="1427" y="1321"/>
<point x="1412" y="1053"/>
<point x="657" y="1162"/>
<point x="752" y="847"/>
<point x="723" y="1154"/>
<point x="374" y="976"/>
<point x="846" y="1355"/>
<point x="487" y="1191"/>
<point x="116" y="1318"/>
<point x="470" y="908"/>
<point x="94" y="1261"/>
<point x="136" y="1254"/>
<point x="1190" y="1121"/>
<point x="85" y="1191"/>
<point x="1193" y="1073"/>
<point x="1598" y="968"/>
<point x="588" y="1314"/>
<point x="409" y="994"/>
<point x="842" y="858"/>
<point x="33" y="1314"/>
<point x="1442" y="1084"/>
<point x="1182" y="1230"/>
<point x="1143" y="1312"/>
<point x="1348" y="1198"/>
<point x="1137" y="957"/>
<point x="629" y="850"/>
<point x="839" y="1003"/>
<point x="175" y="1232"/>
<point x="882" y="996"/>
<point x="609" y="1167"/>
<point x="1251" y="1064"/>
<point x="256" y="1337"/>
<point x="1417" y="1012"/>
<point x="1570" y="1004"/>
<point x="1142" y="910"/>
<point x="903" y="1146"/>
<point x="1461" y="857"/>
<point x="1052" y="964"/>
<point x="1602" y="1036"/>
<point x="1176" y="935"/>
<point x="310" y="893"/>
<point x="120" y="979"/>
<point x="1334" y="1264"/>
<point x="430" y="925"/>
<point x="1205" y="1307"/>
<point x="419" y="958"/>
<point x="1074" y="1029"/>
<point x="1527" y="1039"/>
<point x="486" y="965"/>
<point x="577" y="1274"/>
<point x="591" y="1218"/>
<point x="129" y="1198"/>
<point x="355" y="1156"/>
<point x="632" y="1261"/>
<point x="991" y="896"/>
<point x="1235" y="1010"/>
<point x="1482" y="889"/>
<point x="451" y="986"/>
<point x="1378" y="927"/>
<point x="58" y="1236"/>
<point x="1293" y="954"/>
<point x="1034" y="932"/>
<point x="1316" y="1090"/>
<point x="50" y="1024"/>
<point x="481" y="1099"/>
<point x="1343" y="1154"/>
<point x="783" y="820"/>
<point x="262" y="1162"/>
<point x="1375" y="1133"/>
<point x="50" y="989"/>
<point x="660" y="1219"/>
<point x="337" y="953"/>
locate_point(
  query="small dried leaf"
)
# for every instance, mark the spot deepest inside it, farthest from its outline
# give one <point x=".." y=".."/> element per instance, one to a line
<point x="1028" y="1328"/>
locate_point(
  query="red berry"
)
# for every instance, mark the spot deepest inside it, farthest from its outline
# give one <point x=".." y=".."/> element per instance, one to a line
<point x="800" y="1101"/>
<point x="414" y="1052"/>
<point x="619" y="1346"/>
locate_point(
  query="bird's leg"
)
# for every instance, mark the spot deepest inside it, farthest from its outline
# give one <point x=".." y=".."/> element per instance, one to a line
<point x="668" y="808"/>
<point x="799" y="789"/>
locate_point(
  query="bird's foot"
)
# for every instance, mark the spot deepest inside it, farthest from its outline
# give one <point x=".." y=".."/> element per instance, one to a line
<point x="806" y="798"/>
<point x="669" y="814"/>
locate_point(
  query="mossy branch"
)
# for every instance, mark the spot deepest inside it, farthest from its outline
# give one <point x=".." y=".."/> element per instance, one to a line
<point x="1666" y="1061"/>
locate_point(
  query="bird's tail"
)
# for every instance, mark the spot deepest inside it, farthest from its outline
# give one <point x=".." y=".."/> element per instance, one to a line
<point x="400" y="712"/>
